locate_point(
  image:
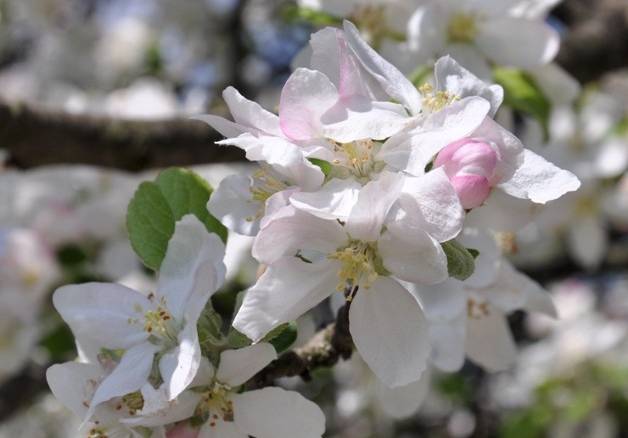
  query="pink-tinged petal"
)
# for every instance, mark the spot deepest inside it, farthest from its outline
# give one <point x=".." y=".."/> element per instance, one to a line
<point x="220" y="429"/>
<point x="287" y="289"/>
<point x="472" y="190"/>
<point x="390" y="332"/>
<point x="305" y="97"/>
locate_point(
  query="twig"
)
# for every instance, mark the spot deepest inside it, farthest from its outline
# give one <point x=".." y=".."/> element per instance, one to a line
<point x="325" y="349"/>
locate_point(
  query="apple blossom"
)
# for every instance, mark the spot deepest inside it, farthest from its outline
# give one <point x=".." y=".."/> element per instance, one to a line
<point x="480" y="33"/>
<point x="164" y="322"/>
<point x="469" y="317"/>
<point x="228" y="412"/>
<point x="355" y="252"/>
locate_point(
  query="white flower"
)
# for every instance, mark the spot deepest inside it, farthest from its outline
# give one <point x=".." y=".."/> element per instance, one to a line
<point x="310" y="257"/>
<point x="74" y="384"/>
<point x="478" y="33"/>
<point x="264" y="413"/>
<point x="111" y="316"/>
<point x="470" y="317"/>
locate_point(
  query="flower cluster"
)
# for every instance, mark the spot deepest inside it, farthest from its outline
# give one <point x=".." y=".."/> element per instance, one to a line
<point x="366" y="186"/>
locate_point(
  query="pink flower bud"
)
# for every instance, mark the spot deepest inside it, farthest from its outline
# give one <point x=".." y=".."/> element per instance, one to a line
<point x="470" y="164"/>
<point x="182" y="430"/>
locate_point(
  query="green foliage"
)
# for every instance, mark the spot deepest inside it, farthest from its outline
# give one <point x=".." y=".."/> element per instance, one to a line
<point x="522" y="93"/>
<point x="460" y="261"/>
<point x="157" y="206"/>
<point x="283" y="336"/>
<point x="59" y="343"/>
<point x="325" y="166"/>
<point x="294" y="13"/>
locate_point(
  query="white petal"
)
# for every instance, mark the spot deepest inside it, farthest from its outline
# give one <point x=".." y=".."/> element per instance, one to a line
<point x="587" y="240"/>
<point x="238" y="366"/>
<point x="447" y="338"/>
<point x="69" y="383"/>
<point x="232" y="204"/>
<point x="390" y="332"/>
<point x="225" y="127"/>
<point x="333" y="201"/>
<point x="179" y="366"/>
<point x="287" y="289"/>
<point x="404" y="401"/>
<point x="455" y="79"/>
<point x="502" y="212"/>
<point x="412" y="254"/>
<point x="374" y="202"/>
<point x="192" y="269"/>
<point x="248" y="113"/>
<point x="128" y="376"/>
<point x="413" y="150"/>
<point x="539" y="180"/>
<point x="221" y="429"/>
<point x="394" y="83"/>
<point x="612" y="159"/>
<point x="432" y="205"/>
<point x="101" y="313"/>
<point x="305" y="97"/>
<point x="557" y="84"/>
<point x="487" y="263"/>
<point x="284" y="157"/>
<point x="536" y="43"/>
<point x="277" y="413"/>
<point x="489" y="341"/>
<point x="441" y="301"/>
<point x="291" y="230"/>
<point x="177" y="410"/>
<point x="359" y="118"/>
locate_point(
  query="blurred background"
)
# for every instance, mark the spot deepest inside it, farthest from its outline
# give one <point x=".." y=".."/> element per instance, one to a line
<point x="94" y="98"/>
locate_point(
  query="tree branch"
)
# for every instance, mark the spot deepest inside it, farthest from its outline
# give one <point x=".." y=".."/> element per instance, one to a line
<point x="596" y="41"/>
<point x="325" y="349"/>
<point x="35" y="136"/>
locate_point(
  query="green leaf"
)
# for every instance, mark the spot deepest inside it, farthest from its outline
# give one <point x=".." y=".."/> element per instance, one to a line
<point x="325" y="166"/>
<point x="157" y="206"/>
<point x="293" y="13"/>
<point x="460" y="262"/>
<point x="522" y="93"/>
<point x="282" y="337"/>
<point x="474" y="252"/>
<point x="236" y="340"/>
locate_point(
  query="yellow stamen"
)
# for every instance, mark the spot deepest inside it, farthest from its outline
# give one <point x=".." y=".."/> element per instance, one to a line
<point x="358" y="262"/>
<point x="435" y="101"/>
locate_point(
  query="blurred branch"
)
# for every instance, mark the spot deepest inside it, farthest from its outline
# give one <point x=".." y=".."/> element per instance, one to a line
<point x="597" y="39"/>
<point x="21" y="389"/>
<point x="35" y="136"/>
<point x="325" y="349"/>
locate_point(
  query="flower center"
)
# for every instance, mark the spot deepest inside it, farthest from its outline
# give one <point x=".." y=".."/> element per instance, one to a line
<point x="266" y="184"/>
<point x="158" y="322"/>
<point x="477" y="309"/>
<point x="371" y="19"/>
<point x="216" y="404"/>
<point x="434" y="101"/>
<point x="97" y="432"/>
<point x="358" y="158"/>
<point x="462" y="28"/>
<point x="360" y="264"/>
<point x="133" y="401"/>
